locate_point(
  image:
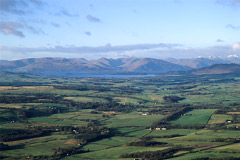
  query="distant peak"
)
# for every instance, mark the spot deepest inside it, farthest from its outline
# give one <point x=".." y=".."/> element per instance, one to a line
<point x="233" y="56"/>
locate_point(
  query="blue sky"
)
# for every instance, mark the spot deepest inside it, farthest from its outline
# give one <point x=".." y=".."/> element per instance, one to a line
<point x="93" y="29"/>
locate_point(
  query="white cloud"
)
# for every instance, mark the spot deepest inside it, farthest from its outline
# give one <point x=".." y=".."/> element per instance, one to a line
<point x="236" y="46"/>
<point x="232" y="56"/>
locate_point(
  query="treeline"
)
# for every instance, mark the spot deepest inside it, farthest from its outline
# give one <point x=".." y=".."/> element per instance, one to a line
<point x="30" y="98"/>
<point x="225" y="158"/>
<point x="18" y="134"/>
<point x="166" y="136"/>
<point x="118" y="90"/>
<point x="20" y="83"/>
<point x="180" y="126"/>
<point x="154" y="155"/>
<point x="177" y="114"/>
<point x="146" y="143"/>
<point x="83" y="88"/>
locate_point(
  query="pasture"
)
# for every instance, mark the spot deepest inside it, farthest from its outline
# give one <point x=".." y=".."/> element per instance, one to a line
<point x="97" y="118"/>
<point x="200" y="116"/>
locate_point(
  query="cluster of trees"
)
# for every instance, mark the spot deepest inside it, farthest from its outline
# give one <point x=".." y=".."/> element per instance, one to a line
<point x="182" y="87"/>
<point x="223" y="80"/>
<point x="84" y="134"/>
<point x="154" y="155"/>
<point x="172" y="99"/>
<point x="18" y="134"/>
<point x="117" y="107"/>
<point x="39" y="110"/>
<point x="20" y="83"/>
<point x="83" y="88"/>
<point x="146" y="143"/>
<point x="166" y="136"/>
<point x="102" y="106"/>
<point x="91" y="133"/>
<point x="3" y="147"/>
<point x="63" y="152"/>
<point x="127" y="90"/>
<point x="225" y="158"/>
<point x="233" y="140"/>
<point x="164" y="110"/>
<point x="119" y="90"/>
<point x="30" y="98"/>
<point x="180" y="126"/>
<point x="226" y="110"/>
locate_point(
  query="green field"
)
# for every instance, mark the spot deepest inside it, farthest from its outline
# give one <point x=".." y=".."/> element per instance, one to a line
<point x="219" y="118"/>
<point x="132" y="119"/>
<point x="200" y="116"/>
<point x="105" y="118"/>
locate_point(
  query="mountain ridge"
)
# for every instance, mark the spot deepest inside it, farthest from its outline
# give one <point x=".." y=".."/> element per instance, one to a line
<point x="217" y="69"/>
<point x="82" y="65"/>
<point x="195" y="66"/>
<point x="197" y="63"/>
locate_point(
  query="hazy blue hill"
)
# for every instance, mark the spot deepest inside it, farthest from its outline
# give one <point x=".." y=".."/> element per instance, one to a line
<point x="152" y="65"/>
<point x="1" y="61"/>
<point x="218" y="69"/>
<point x="198" y="62"/>
<point x="81" y="65"/>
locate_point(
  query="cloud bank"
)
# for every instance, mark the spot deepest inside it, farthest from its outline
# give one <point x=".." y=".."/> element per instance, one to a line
<point x="230" y="26"/>
<point x="16" y="28"/>
<point x="19" y="7"/>
<point x="92" y="18"/>
<point x="160" y="50"/>
<point x="85" y="49"/>
<point x="11" y="28"/>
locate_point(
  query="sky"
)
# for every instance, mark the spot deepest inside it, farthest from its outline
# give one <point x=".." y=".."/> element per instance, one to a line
<point x="93" y="29"/>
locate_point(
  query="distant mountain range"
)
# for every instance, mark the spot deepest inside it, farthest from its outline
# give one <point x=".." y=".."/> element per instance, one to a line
<point x="145" y="65"/>
<point x="122" y="65"/>
<point x="202" y="62"/>
<point x="1" y="61"/>
<point x="217" y="69"/>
